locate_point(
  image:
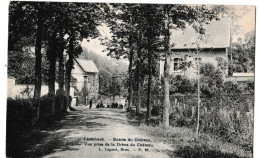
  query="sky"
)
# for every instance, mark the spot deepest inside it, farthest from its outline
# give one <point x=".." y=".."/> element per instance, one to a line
<point x="248" y="20"/>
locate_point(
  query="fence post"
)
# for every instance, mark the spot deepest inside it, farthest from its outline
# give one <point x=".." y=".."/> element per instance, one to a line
<point x="175" y="102"/>
<point x="192" y="111"/>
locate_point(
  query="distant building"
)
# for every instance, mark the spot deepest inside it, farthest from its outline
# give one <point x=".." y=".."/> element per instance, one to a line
<point x="86" y="74"/>
<point x="241" y="78"/>
<point x="213" y="47"/>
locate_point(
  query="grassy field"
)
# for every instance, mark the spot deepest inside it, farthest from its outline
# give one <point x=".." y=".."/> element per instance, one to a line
<point x="187" y="144"/>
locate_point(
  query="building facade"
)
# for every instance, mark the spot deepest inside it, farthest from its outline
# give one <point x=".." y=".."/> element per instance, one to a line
<point x="86" y="76"/>
<point x="190" y="48"/>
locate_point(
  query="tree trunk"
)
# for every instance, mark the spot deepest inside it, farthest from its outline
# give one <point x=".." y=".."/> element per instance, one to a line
<point x="130" y="71"/>
<point x="139" y="86"/>
<point x="198" y="73"/>
<point x="61" y="68"/>
<point x="149" y="95"/>
<point x="38" y="56"/>
<point x="52" y="72"/>
<point x="166" y="96"/>
<point x="52" y="61"/>
<point x="139" y="76"/>
<point x="69" y="66"/>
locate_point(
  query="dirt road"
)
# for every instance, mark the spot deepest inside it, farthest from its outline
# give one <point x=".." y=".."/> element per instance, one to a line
<point x="100" y="133"/>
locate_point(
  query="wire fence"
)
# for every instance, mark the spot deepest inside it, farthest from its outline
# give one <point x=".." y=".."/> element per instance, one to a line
<point x="228" y="116"/>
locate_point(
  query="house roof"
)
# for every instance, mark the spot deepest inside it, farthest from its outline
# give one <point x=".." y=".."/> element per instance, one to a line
<point x="87" y="65"/>
<point x="217" y="35"/>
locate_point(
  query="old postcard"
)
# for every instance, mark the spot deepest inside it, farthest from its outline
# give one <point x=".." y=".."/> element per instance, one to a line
<point x="130" y="80"/>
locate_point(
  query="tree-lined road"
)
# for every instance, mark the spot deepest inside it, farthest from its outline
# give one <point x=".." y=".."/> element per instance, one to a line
<point x="70" y="136"/>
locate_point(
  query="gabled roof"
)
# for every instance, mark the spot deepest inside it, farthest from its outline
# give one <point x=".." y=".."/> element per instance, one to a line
<point x="217" y="35"/>
<point x="87" y="65"/>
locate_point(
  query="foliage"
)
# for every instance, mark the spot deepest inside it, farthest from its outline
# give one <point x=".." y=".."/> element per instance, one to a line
<point x="243" y="54"/>
<point x="227" y="116"/>
<point x="251" y="86"/>
<point x="21" y="67"/>
<point x="192" y="146"/>
<point x="44" y="24"/>
<point x="81" y="95"/>
<point x="46" y="107"/>
<point x="231" y="88"/>
<point x="107" y="69"/>
<point x="23" y="120"/>
<point x="181" y="84"/>
<point x="211" y="79"/>
<point x="20" y="114"/>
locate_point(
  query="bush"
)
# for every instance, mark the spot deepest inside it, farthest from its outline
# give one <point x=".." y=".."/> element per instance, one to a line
<point x="21" y="114"/>
<point x="211" y="80"/>
<point x="227" y="116"/>
<point x="181" y="84"/>
<point x="231" y="88"/>
<point x="47" y="108"/>
<point x="25" y="116"/>
<point x="251" y="86"/>
<point x="156" y="111"/>
<point x="60" y="105"/>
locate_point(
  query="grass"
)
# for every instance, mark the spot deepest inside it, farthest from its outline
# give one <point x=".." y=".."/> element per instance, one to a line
<point x="186" y="143"/>
<point x="189" y="145"/>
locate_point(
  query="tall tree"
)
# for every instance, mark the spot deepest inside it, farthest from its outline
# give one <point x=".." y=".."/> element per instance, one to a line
<point x="138" y="67"/>
<point x="123" y="39"/>
<point x="51" y="55"/>
<point x="81" y="22"/>
<point x="166" y="77"/>
<point x="38" y="47"/>
<point x="152" y="24"/>
<point x="176" y="17"/>
<point x="54" y="36"/>
<point x="132" y="20"/>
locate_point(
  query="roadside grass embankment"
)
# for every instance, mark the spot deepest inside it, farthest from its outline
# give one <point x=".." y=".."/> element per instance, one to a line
<point x="185" y="141"/>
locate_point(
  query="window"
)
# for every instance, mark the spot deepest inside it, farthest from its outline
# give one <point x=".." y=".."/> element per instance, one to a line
<point x="85" y="80"/>
<point x="176" y="64"/>
<point x="196" y="60"/>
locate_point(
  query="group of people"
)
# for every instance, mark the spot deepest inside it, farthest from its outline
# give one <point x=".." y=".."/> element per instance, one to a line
<point x="101" y="105"/>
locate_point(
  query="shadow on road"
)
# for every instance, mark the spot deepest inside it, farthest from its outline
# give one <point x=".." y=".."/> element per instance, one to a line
<point x="59" y="136"/>
<point x="68" y="133"/>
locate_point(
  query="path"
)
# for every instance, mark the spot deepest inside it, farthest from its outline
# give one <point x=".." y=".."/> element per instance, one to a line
<point x="66" y="137"/>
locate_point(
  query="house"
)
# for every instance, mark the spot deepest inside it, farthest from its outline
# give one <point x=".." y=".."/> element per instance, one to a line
<point x="213" y="48"/>
<point x="86" y="75"/>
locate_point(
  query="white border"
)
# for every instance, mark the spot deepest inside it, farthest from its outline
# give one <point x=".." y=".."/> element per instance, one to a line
<point x="3" y="58"/>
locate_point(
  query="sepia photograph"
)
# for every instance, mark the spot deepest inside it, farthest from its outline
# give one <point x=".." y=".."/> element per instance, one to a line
<point x="130" y="80"/>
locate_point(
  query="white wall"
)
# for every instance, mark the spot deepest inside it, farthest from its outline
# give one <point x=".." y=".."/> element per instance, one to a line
<point x="77" y="73"/>
<point x="27" y="91"/>
<point x="207" y="56"/>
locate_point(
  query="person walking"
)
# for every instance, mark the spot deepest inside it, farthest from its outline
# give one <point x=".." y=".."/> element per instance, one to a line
<point x="90" y="103"/>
